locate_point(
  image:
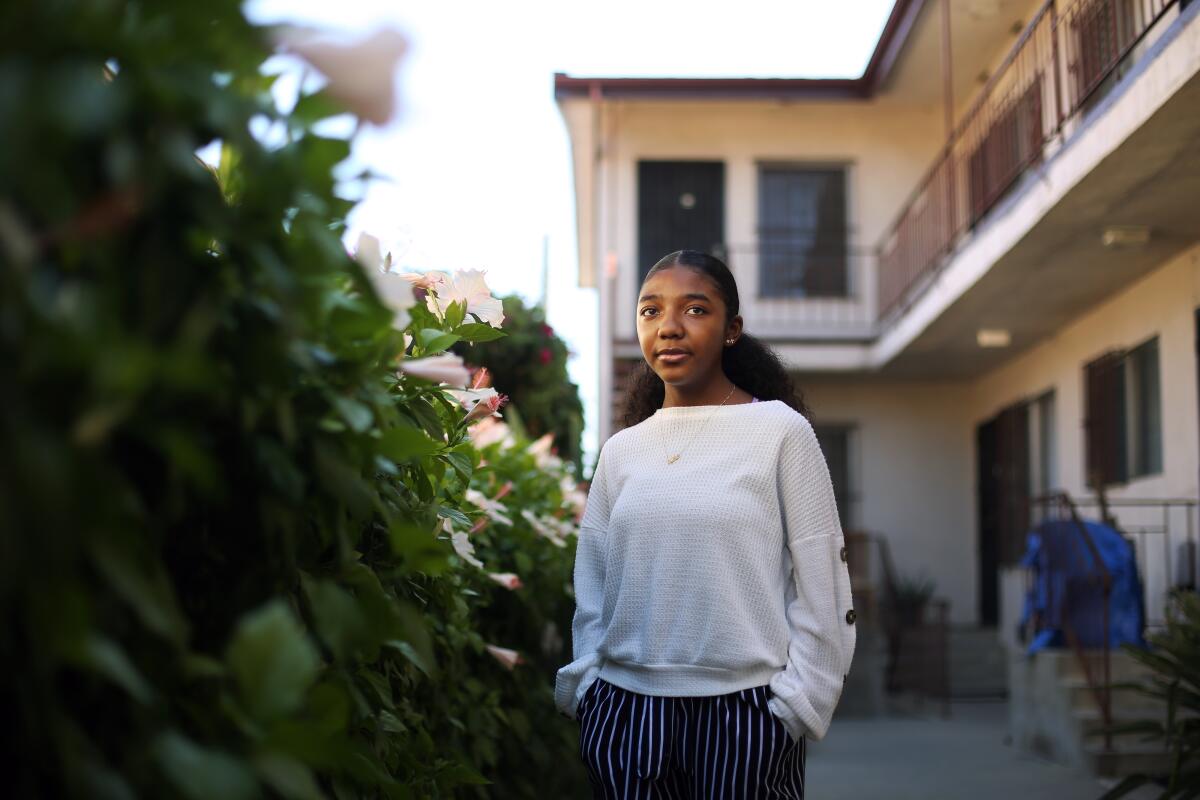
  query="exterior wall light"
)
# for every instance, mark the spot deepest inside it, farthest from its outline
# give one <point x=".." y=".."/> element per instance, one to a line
<point x="992" y="337"/>
<point x="1125" y="236"/>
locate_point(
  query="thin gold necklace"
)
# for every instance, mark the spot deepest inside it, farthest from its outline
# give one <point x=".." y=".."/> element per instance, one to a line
<point x="671" y="459"/>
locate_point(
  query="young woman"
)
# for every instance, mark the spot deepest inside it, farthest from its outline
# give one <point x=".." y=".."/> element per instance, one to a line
<point x="713" y="628"/>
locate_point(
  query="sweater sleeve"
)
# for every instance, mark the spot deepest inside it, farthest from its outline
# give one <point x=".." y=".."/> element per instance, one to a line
<point x="573" y="680"/>
<point x="819" y="608"/>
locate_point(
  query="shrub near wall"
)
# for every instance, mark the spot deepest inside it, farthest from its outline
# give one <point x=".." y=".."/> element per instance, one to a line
<point x="530" y="365"/>
<point x="227" y="561"/>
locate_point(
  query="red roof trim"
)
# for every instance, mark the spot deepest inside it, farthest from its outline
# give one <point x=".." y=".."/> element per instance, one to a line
<point x="891" y="41"/>
<point x="684" y="88"/>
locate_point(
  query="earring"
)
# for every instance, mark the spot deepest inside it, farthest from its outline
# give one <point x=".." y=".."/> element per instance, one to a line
<point x="729" y="341"/>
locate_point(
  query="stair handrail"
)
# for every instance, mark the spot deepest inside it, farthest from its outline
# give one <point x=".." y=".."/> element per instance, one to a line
<point x="1065" y="508"/>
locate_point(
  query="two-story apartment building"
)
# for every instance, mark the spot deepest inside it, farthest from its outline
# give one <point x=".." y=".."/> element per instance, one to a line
<point x="981" y="259"/>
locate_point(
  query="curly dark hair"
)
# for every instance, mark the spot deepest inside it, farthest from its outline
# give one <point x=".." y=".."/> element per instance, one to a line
<point x="750" y="363"/>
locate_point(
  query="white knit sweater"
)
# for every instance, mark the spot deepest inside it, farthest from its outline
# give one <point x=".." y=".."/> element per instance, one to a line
<point x="721" y="571"/>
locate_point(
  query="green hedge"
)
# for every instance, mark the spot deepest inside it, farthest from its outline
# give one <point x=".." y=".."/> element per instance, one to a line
<point x="224" y="564"/>
<point x="530" y="366"/>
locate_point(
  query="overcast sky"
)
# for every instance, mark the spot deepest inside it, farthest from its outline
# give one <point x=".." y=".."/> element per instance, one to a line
<point x="478" y="160"/>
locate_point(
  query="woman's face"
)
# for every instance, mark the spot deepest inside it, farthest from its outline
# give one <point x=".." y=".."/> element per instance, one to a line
<point x="681" y="326"/>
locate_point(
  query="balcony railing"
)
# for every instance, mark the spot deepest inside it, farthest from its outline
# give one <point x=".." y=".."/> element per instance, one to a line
<point x="796" y="287"/>
<point x="1067" y="52"/>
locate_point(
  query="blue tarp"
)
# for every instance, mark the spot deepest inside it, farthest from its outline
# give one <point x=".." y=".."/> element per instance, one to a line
<point x="1065" y="586"/>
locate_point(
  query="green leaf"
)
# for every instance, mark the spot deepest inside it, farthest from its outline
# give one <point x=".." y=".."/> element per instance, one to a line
<point x="316" y="106"/>
<point x="198" y="666"/>
<point x="145" y="588"/>
<point x="403" y="443"/>
<point x="357" y="415"/>
<point x="106" y="657"/>
<point x="273" y="660"/>
<point x="422" y="317"/>
<point x="433" y="340"/>
<point x="286" y="775"/>
<point x="200" y="773"/>
<point x="415" y="643"/>
<point x="343" y="480"/>
<point x="462" y="774"/>
<point x="381" y="686"/>
<point x="423" y="410"/>
<point x="276" y="464"/>
<point x="229" y="176"/>
<point x="421" y="551"/>
<point x="455" y="313"/>
<point x="479" y="332"/>
<point x="455" y="515"/>
<point x="322" y="154"/>
<point x="462" y="463"/>
<point x="388" y="721"/>
<point x="377" y="607"/>
<point x="328" y="709"/>
<point x="338" y="619"/>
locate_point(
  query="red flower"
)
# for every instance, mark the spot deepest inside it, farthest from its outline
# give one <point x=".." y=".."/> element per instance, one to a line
<point x="545" y="355"/>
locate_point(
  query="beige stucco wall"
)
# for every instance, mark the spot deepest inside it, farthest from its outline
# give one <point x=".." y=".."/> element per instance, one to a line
<point x="885" y="152"/>
<point x="1160" y="303"/>
<point x="913" y="451"/>
<point x="910" y="456"/>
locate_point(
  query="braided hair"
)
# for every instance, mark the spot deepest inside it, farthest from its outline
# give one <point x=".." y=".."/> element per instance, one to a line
<point x="749" y="363"/>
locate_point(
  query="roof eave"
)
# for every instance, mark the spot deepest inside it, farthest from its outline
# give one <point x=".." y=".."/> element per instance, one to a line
<point x="710" y="88"/>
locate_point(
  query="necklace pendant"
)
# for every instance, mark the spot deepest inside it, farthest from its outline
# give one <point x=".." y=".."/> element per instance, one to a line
<point x="673" y="459"/>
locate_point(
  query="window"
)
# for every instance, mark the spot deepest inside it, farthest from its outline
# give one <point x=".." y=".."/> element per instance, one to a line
<point x="1123" y="415"/>
<point x="1143" y="434"/>
<point x="802" y="232"/>
<point x="1043" y="462"/>
<point x="835" y="444"/>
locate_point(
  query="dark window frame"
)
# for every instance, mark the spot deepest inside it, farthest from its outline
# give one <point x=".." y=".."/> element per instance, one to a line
<point x="796" y="262"/>
<point x="1122" y="443"/>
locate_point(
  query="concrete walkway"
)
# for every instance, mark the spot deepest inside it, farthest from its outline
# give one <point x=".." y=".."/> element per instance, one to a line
<point x="931" y="758"/>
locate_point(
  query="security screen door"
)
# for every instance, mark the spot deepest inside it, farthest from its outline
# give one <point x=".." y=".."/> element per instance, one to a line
<point x="681" y="205"/>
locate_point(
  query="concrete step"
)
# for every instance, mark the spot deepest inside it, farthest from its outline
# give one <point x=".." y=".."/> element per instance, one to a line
<point x="1150" y="759"/>
<point x="1053" y="713"/>
<point x="1124" y="700"/>
<point x="1122" y="666"/>
<point x="1091" y="728"/>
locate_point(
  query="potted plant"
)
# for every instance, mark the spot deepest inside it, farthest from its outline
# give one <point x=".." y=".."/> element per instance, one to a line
<point x="913" y="594"/>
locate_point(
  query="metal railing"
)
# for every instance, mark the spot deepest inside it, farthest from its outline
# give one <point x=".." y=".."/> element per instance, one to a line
<point x="1163" y="533"/>
<point x="1051" y="72"/>
<point x="1096" y="36"/>
<point x="794" y="287"/>
<point x="1084" y="607"/>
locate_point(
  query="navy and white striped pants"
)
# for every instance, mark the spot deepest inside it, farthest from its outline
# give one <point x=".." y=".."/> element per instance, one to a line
<point x="721" y="746"/>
